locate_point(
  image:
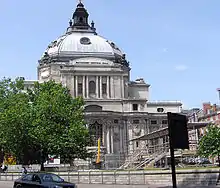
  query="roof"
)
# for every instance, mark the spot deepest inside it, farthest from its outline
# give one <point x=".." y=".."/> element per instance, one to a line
<point x="164" y="131"/>
<point x="79" y="43"/>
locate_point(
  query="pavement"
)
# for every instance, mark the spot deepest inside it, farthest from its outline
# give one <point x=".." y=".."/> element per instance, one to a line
<point x="9" y="184"/>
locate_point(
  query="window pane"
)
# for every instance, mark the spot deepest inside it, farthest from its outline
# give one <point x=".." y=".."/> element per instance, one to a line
<point x="153" y="122"/>
<point x="104" y="88"/>
<point x="80" y="88"/>
<point x="135" y="107"/>
<point x="92" y="87"/>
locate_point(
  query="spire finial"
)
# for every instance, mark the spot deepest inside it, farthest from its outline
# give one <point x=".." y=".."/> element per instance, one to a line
<point x="80" y="4"/>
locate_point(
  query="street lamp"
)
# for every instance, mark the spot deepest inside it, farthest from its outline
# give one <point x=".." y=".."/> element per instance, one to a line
<point x="218" y="90"/>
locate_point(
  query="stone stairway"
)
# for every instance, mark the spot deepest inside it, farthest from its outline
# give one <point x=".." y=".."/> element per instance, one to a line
<point x="158" y="157"/>
<point x="143" y="163"/>
<point x="132" y="159"/>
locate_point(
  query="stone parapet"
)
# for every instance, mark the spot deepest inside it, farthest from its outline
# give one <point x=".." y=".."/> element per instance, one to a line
<point x="184" y="177"/>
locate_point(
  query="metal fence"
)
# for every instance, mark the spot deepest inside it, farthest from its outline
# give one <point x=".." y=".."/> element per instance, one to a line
<point x="200" y="177"/>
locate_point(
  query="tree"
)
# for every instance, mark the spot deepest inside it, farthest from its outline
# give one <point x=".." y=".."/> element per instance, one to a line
<point x="209" y="145"/>
<point x="58" y="123"/>
<point x="15" y="118"/>
<point x="43" y="120"/>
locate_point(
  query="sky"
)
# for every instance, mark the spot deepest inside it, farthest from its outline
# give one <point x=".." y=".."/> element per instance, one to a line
<point x="173" y="45"/>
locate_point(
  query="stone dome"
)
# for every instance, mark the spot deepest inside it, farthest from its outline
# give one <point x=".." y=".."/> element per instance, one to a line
<point x="79" y="43"/>
<point x="81" y="40"/>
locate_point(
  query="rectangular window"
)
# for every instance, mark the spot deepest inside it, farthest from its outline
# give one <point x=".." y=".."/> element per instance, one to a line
<point x="104" y="88"/>
<point x="153" y="122"/>
<point x="135" y="107"/>
<point x="164" y="122"/>
<point x="80" y="89"/>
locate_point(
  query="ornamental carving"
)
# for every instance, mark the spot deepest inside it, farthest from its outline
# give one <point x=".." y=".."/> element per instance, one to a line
<point x="94" y="120"/>
<point x="116" y="129"/>
<point x="129" y="121"/>
<point x="116" y="137"/>
<point x="102" y="121"/>
<point x="136" y="130"/>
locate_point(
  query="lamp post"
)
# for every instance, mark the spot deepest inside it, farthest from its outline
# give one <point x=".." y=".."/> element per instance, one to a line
<point x="218" y="90"/>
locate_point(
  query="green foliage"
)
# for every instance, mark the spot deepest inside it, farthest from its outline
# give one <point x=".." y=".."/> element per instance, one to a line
<point x="45" y="118"/>
<point x="209" y="145"/>
<point x="15" y="116"/>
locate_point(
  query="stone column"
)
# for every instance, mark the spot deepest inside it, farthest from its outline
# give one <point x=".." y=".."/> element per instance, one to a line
<point x="87" y="86"/>
<point x="125" y="133"/>
<point x="107" y="87"/>
<point x="121" y="137"/>
<point x="130" y="136"/>
<point x="104" y="134"/>
<point x="73" y="86"/>
<point x="100" y="89"/>
<point x="112" y="139"/>
<point x="83" y="85"/>
<point x="62" y="80"/>
<point x="112" y="87"/>
<point x="76" y="81"/>
<point x="122" y="87"/>
<point x="97" y="86"/>
<point x="108" y="140"/>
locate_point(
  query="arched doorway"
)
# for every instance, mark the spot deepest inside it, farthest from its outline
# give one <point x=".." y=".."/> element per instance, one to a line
<point x="95" y="131"/>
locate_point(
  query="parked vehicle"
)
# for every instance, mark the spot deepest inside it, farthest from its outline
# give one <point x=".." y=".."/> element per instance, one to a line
<point x="42" y="180"/>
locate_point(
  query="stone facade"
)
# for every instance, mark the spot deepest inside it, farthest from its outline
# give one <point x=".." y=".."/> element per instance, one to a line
<point x="117" y="108"/>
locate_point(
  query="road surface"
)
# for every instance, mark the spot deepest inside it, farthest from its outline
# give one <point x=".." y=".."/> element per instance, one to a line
<point x="9" y="184"/>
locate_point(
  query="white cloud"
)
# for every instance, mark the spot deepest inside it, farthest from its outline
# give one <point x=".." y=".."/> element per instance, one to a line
<point x="165" y="49"/>
<point x="181" y="67"/>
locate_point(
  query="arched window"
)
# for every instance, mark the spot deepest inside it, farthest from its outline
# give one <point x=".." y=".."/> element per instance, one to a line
<point x="81" y="19"/>
<point x="95" y="131"/>
<point x="92" y="87"/>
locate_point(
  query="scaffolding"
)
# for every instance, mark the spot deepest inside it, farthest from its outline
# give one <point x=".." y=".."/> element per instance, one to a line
<point x="145" y="156"/>
<point x="153" y="151"/>
<point x="156" y="150"/>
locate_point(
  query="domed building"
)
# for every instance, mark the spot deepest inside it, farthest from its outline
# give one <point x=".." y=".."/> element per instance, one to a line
<point x="117" y="109"/>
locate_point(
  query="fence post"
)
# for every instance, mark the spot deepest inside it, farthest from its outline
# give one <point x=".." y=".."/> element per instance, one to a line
<point x="89" y="177"/>
<point x="68" y="176"/>
<point x="78" y="177"/>
<point x="129" y="177"/>
<point x="115" y="176"/>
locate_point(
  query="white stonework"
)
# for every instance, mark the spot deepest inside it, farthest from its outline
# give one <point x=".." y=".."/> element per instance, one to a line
<point x="95" y="68"/>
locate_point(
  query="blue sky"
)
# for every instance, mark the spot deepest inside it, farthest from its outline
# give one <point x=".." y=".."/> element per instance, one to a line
<point x="173" y="45"/>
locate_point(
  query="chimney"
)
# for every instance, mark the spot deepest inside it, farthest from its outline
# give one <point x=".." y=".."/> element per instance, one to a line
<point x="206" y="107"/>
